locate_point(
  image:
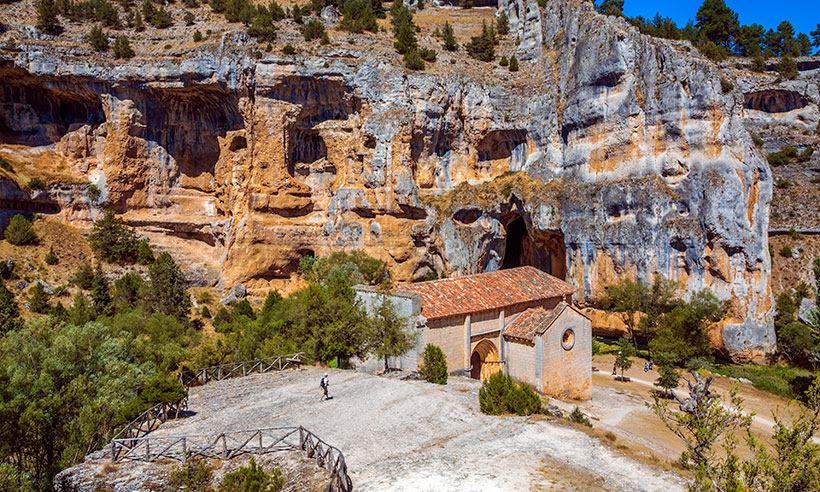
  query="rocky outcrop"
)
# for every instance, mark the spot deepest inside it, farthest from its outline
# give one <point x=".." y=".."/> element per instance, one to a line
<point x="627" y="160"/>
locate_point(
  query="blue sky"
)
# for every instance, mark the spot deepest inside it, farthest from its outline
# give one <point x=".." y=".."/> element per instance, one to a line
<point x="803" y="14"/>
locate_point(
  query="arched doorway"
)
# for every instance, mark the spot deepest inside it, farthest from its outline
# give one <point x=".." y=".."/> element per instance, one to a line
<point x="484" y="360"/>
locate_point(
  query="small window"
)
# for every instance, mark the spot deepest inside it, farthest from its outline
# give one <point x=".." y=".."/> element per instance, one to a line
<point x="568" y="339"/>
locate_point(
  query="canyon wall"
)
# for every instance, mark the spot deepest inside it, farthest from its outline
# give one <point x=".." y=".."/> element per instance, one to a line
<point x="615" y="155"/>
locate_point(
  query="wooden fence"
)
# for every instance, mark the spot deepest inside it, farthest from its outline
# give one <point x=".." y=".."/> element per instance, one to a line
<point x="234" y="443"/>
<point x="151" y="419"/>
<point x="237" y="369"/>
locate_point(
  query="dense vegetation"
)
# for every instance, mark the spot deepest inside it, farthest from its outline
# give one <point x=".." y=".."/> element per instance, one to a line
<point x="433" y="366"/>
<point x="71" y="377"/>
<point x="717" y="33"/>
<point x="500" y="394"/>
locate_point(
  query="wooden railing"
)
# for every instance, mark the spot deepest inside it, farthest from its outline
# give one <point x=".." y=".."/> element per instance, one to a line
<point x="151" y="419"/>
<point x="234" y="443"/>
<point x="238" y="369"/>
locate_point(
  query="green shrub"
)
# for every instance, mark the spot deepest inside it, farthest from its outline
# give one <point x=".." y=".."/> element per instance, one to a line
<point x="358" y="16"/>
<point x="697" y="363"/>
<point x="504" y="62"/>
<point x="191" y="476"/>
<point x="19" y="231"/>
<point x="84" y="276"/>
<point x="189" y="18"/>
<point x="288" y="50"/>
<point x="783" y="183"/>
<point x="36" y="184"/>
<point x="252" y="478"/>
<point x="51" y="257"/>
<point x="482" y="47"/>
<point x="784" y="156"/>
<point x="159" y="389"/>
<point x="805" y="154"/>
<point x="38" y="302"/>
<point x="787" y="68"/>
<point x="578" y="417"/>
<point x="98" y="39"/>
<point x="122" y="49"/>
<point x="313" y="29"/>
<point x="243" y="308"/>
<point x="785" y="251"/>
<point x="788" y="382"/>
<point x="757" y="141"/>
<point x="507" y="190"/>
<point x="112" y="240"/>
<point x="93" y="192"/>
<point x="433" y="366"/>
<point x="427" y="54"/>
<point x="145" y="255"/>
<point x="6" y="165"/>
<point x="502" y="23"/>
<point x="499" y="394"/>
<point x="197" y="36"/>
<point x="726" y="86"/>
<point x="206" y="313"/>
<point x="413" y="60"/>
<point x="448" y="38"/>
<point x="513" y="64"/>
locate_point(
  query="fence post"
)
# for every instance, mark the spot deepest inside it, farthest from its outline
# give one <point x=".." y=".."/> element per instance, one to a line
<point x="224" y="447"/>
<point x="147" y="449"/>
<point x="184" y="450"/>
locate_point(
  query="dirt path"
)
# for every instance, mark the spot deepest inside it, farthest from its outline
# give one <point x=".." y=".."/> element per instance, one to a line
<point x="415" y="436"/>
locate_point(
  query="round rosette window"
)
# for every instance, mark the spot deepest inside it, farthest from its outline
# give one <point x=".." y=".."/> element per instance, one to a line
<point x="568" y="339"/>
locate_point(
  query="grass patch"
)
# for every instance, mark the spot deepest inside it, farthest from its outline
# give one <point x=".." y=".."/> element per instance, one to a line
<point x="788" y="382"/>
<point x="607" y="346"/>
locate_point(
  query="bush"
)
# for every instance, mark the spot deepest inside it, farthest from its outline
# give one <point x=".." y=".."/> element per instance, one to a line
<point x="36" y="184"/>
<point x="191" y="476"/>
<point x="805" y="154"/>
<point x="51" y="257"/>
<point x="38" y="302"/>
<point x="427" y="54"/>
<point x="313" y="29"/>
<point x="189" y="19"/>
<point x="504" y="62"/>
<point x="433" y="367"/>
<point x="84" y="276"/>
<point x="98" y="39"/>
<point x="93" y="192"/>
<point x="482" y="47"/>
<point x="784" y="156"/>
<point x="6" y="165"/>
<point x="787" y="68"/>
<point x="206" y="313"/>
<point x="413" y="60"/>
<point x="578" y="417"/>
<point x="20" y="231"/>
<point x="513" y="64"/>
<point x="197" y="36"/>
<point x="112" y="240"/>
<point x="757" y="141"/>
<point x="122" y="49"/>
<point x="785" y="251"/>
<point x="726" y="86"/>
<point x="499" y="394"/>
<point x="145" y="255"/>
<point x="252" y="478"/>
<point x="288" y="50"/>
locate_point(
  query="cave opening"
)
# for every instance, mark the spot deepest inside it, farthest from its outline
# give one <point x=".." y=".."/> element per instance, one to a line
<point x="544" y="250"/>
<point x="304" y="147"/>
<point x="516" y="234"/>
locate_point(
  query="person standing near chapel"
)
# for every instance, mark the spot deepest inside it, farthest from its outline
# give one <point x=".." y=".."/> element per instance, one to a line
<point x="324" y="384"/>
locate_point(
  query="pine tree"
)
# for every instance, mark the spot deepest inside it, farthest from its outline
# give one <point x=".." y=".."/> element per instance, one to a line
<point x="482" y="47"/>
<point x="717" y="22"/>
<point x="98" y="39"/>
<point x="9" y="312"/>
<point x="84" y="276"/>
<point x="122" y="48"/>
<point x="19" y="231"/>
<point x="815" y="37"/>
<point x="389" y="337"/>
<point x="38" y="302"/>
<point x="47" y="17"/>
<point x="448" y="37"/>
<point x="513" y="64"/>
<point x="51" y="257"/>
<point x="168" y="293"/>
<point x="612" y="7"/>
<point x="502" y="24"/>
<point x="79" y="314"/>
<point x="668" y="376"/>
<point x="100" y="294"/>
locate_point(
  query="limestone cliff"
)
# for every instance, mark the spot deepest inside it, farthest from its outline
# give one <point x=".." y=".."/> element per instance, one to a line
<point x="617" y="155"/>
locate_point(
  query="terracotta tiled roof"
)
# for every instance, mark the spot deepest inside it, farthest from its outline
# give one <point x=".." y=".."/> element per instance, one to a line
<point x="486" y="291"/>
<point x="533" y="321"/>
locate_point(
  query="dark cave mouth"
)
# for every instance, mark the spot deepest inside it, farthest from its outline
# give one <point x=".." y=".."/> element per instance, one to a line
<point x="545" y="252"/>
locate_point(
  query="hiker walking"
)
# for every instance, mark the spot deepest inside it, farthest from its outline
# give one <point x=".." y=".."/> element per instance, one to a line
<point x="324" y="383"/>
<point x="645" y="366"/>
<point x="651" y="365"/>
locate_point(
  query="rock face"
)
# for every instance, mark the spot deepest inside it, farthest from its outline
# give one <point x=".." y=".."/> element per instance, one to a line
<point x="621" y="157"/>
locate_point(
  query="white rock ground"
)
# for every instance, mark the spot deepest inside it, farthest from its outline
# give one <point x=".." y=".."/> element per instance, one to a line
<point x="415" y="436"/>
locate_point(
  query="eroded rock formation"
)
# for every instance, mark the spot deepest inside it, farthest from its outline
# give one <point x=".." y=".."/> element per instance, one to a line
<point x="622" y="157"/>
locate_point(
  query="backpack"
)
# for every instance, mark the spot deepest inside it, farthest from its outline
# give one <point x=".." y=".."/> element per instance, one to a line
<point x="322" y="383"/>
